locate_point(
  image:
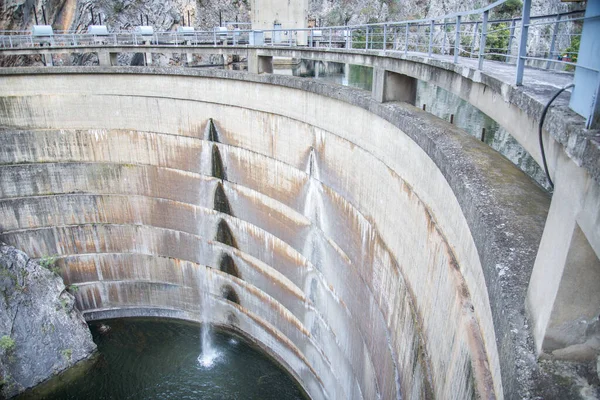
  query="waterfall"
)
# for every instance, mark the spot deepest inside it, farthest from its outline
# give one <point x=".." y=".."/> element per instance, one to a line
<point x="209" y="354"/>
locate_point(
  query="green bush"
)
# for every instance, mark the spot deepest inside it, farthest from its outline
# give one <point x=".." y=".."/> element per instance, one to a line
<point x="49" y="262"/>
<point x="67" y="353"/>
<point x="7" y="343"/>
<point x="497" y="41"/>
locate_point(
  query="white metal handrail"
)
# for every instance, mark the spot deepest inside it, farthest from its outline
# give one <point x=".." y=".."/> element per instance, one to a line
<point x="446" y="35"/>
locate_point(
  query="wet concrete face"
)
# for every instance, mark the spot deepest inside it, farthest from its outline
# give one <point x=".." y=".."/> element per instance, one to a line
<point x="345" y="247"/>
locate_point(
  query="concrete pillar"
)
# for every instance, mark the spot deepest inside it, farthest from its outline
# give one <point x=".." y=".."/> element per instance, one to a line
<point x="259" y="64"/>
<point x="148" y="56"/>
<point x="391" y="86"/>
<point x="577" y="303"/>
<point x="564" y="289"/>
<point x="189" y="57"/>
<point x="48" y="60"/>
<point x="104" y="58"/>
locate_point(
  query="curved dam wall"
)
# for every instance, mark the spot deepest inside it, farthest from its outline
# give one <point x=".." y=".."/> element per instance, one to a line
<point x="374" y="250"/>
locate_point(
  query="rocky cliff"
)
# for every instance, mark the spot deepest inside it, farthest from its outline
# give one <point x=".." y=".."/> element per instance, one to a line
<point x="41" y="334"/>
<point x="166" y="15"/>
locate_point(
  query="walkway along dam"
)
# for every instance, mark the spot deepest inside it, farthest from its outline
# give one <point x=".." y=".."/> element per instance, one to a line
<point x="375" y="250"/>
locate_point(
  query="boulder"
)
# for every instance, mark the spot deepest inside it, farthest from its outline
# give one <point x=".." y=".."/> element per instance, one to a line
<point x="41" y="333"/>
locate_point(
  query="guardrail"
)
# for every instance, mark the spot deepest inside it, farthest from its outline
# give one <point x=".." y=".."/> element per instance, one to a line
<point x="470" y="34"/>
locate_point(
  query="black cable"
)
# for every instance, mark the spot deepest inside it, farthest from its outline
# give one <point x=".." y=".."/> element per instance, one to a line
<point x="540" y="130"/>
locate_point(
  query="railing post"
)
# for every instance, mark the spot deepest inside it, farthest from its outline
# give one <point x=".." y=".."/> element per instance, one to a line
<point x="431" y="26"/>
<point x="406" y="39"/>
<point x="482" y="39"/>
<point x="330" y="37"/>
<point x="457" y="40"/>
<point x="444" y="39"/>
<point x="10" y="41"/>
<point x="367" y="38"/>
<point x="214" y="37"/>
<point x="510" y="39"/>
<point x="523" y="42"/>
<point x="553" y="43"/>
<point x="384" y="37"/>
<point x="474" y="39"/>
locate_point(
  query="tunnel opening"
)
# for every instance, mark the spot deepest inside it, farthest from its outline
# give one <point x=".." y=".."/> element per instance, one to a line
<point x="218" y="171"/>
<point x="224" y="234"/>
<point x="228" y="266"/>
<point x="221" y="203"/>
<point x="229" y="294"/>
<point x="213" y="135"/>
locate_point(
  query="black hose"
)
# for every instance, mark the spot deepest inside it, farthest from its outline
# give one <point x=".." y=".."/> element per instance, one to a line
<point x="544" y="112"/>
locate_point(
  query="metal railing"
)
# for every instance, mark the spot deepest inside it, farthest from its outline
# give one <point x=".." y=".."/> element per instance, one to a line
<point x="546" y="41"/>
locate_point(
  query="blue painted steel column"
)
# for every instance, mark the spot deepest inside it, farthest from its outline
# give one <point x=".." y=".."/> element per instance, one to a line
<point x="584" y="99"/>
<point x="523" y="42"/>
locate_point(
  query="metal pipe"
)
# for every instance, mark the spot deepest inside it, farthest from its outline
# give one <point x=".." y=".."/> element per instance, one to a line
<point x="44" y="14"/>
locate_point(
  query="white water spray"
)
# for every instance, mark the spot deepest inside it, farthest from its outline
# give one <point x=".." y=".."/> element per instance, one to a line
<point x="209" y="354"/>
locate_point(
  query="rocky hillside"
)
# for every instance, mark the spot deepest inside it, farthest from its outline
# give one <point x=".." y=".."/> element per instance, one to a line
<point x="41" y="334"/>
<point x="205" y="14"/>
<point x="167" y="15"/>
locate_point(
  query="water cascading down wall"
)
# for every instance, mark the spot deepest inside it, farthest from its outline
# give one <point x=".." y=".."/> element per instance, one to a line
<point x="360" y="244"/>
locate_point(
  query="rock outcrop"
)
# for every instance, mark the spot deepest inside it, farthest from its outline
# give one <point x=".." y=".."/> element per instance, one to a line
<point x="41" y="333"/>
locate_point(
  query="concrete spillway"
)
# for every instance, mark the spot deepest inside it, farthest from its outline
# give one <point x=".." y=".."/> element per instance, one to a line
<point x="375" y="250"/>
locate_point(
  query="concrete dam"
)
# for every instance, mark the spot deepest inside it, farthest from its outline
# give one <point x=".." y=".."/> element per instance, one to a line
<point x="377" y="252"/>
